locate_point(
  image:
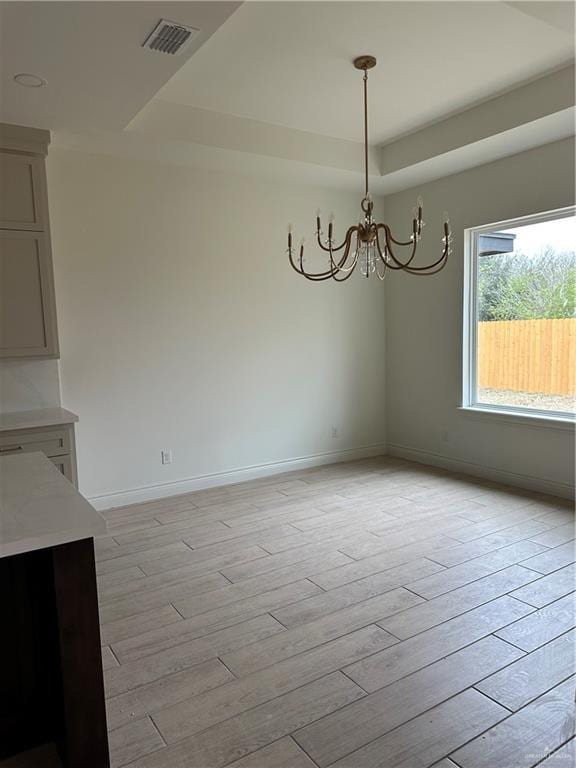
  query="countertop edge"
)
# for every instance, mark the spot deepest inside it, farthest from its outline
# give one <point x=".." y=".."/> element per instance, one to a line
<point x="35" y="419"/>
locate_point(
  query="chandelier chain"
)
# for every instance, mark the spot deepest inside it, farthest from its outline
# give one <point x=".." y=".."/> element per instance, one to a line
<point x="366" y="132"/>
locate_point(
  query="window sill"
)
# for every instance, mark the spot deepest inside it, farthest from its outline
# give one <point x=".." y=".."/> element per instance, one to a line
<point x="514" y="417"/>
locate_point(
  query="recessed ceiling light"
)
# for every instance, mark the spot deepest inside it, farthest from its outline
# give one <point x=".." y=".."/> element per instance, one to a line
<point x="28" y="80"/>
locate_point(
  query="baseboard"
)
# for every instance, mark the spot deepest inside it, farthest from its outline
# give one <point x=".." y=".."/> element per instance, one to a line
<point x="564" y="490"/>
<point x="163" y="490"/>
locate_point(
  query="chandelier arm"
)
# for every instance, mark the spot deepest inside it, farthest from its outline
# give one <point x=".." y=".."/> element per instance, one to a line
<point x="349" y="233"/>
<point x="424" y="270"/>
<point x="419" y="272"/>
<point x="301" y="271"/>
<point x="380" y="256"/>
<point x="314" y="277"/>
<point x="413" y="243"/>
<point x="398" y="242"/>
<point x="337" y="266"/>
<point x="391" y="239"/>
<point x="441" y="261"/>
<point x="379" y="249"/>
<point x="348" y="272"/>
<point x="309" y="276"/>
<point x="434" y="264"/>
<point x="383" y="275"/>
<point x="428" y="269"/>
<point x="317" y="279"/>
<point x="340" y="266"/>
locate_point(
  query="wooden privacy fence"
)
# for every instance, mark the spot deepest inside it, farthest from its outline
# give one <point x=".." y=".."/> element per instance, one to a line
<point x="528" y="355"/>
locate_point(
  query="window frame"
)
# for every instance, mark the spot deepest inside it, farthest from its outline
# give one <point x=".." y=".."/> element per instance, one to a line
<point x="469" y="402"/>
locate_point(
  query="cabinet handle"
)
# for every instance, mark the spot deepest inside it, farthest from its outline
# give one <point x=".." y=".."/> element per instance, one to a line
<point x="11" y="448"/>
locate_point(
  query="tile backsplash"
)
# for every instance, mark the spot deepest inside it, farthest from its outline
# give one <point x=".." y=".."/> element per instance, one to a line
<point x="29" y="384"/>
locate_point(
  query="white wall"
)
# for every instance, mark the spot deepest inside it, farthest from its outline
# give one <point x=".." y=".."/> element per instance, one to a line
<point x="424" y="327"/>
<point x="182" y="325"/>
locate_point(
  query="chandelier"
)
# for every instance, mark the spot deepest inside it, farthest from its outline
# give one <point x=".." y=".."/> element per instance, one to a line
<point x="369" y="245"/>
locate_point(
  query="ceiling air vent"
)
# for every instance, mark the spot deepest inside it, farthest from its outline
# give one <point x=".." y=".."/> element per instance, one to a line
<point x="169" y="37"/>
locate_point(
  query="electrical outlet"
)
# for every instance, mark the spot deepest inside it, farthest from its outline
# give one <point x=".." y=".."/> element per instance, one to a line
<point x="167" y="456"/>
<point x="334" y="433"/>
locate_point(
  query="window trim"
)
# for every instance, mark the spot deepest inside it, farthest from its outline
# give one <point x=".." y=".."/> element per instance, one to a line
<point x="469" y="402"/>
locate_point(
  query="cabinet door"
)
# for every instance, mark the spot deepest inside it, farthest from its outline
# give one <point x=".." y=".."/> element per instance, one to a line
<point x="22" y="188"/>
<point x="27" y="307"/>
<point x="64" y="465"/>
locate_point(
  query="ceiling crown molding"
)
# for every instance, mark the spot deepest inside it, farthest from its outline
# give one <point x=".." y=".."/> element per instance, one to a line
<point x="541" y="98"/>
<point x="167" y="121"/>
<point x="23" y="139"/>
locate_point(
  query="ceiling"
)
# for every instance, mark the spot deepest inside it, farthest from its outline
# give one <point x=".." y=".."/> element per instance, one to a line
<point x="268" y="87"/>
<point x="98" y="75"/>
<point x="289" y="63"/>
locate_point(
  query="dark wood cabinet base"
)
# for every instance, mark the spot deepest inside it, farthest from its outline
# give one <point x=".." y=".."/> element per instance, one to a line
<point x="51" y="666"/>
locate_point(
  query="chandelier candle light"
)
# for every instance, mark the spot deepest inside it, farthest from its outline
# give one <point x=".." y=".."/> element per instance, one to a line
<point x="368" y="243"/>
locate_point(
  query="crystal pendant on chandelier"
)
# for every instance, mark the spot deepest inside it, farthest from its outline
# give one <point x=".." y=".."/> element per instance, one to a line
<point x="367" y="259"/>
<point x="368" y="245"/>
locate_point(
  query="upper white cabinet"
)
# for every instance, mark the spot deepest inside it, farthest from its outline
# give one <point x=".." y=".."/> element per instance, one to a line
<point x="21" y="192"/>
<point x="27" y="312"/>
<point x="27" y="302"/>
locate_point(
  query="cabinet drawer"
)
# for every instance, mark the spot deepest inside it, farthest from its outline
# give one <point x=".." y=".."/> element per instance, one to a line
<point x="52" y="442"/>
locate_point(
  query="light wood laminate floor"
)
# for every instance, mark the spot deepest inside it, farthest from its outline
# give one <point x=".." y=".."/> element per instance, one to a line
<point x="375" y="613"/>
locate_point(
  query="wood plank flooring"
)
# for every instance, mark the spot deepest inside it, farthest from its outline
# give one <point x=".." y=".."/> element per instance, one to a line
<point x="374" y="614"/>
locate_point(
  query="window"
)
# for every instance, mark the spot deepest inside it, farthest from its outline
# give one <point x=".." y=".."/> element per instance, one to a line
<point x="520" y="316"/>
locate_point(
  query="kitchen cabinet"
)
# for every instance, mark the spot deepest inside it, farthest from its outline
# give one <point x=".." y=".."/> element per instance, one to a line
<point x="28" y="326"/>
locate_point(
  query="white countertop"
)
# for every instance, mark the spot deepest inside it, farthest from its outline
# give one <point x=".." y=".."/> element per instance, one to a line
<point x="39" y="508"/>
<point x="40" y="417"/>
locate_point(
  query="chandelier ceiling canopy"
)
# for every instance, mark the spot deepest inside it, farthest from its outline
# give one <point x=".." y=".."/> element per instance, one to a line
<point x="368" y="245"/>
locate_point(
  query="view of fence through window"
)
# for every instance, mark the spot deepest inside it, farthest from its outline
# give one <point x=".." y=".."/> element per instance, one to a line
<point x="526" y="340"/>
